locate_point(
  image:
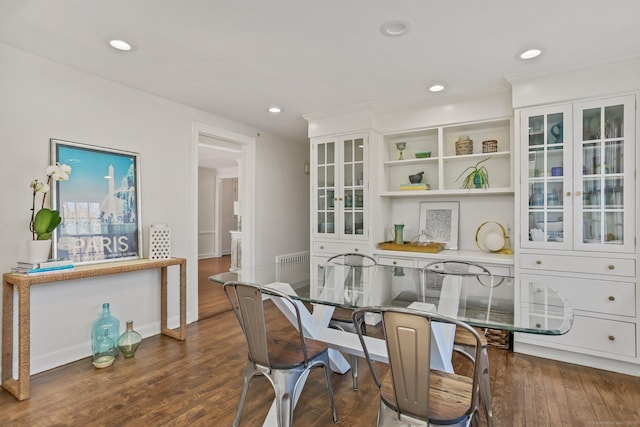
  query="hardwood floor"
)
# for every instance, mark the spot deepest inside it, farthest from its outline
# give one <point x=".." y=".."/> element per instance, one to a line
<point x="197" y="383"/>
<point x="211" y="297"/>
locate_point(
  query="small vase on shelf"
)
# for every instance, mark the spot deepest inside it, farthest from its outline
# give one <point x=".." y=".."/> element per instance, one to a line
<point x="129" y="341"/>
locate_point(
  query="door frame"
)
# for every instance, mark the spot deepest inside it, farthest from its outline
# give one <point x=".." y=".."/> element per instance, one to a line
<point x="246" y="193"/>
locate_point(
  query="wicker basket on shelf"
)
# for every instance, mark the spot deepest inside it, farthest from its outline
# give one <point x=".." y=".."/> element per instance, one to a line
<point x="464" y="145"/>
<point x="489" y="146"/>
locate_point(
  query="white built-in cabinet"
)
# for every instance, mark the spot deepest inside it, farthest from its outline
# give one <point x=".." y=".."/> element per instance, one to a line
<point x="577" y="208"/>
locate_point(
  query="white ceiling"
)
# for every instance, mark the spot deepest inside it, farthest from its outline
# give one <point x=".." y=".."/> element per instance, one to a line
<point x="236" y="58"/>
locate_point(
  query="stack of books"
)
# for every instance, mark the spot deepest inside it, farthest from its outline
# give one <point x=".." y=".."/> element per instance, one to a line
<point x="45" y="267"/>
<point x="418" y="186"/>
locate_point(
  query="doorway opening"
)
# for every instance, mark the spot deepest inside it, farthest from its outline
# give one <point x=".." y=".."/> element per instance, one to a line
<point x="224" y="187"/>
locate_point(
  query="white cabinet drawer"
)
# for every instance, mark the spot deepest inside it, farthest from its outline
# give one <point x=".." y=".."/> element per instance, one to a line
<point x="608" y="336"/>
<point x="579" y="264"/>
<point x="339" y="248"/>
<point x="396" y="262"/>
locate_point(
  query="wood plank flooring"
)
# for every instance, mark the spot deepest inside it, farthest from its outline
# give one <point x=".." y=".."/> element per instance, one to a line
<point x="197" y="383"/>
<point x="211" y="297"/>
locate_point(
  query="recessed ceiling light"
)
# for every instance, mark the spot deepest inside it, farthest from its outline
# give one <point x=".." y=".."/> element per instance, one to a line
<point x="530" y="53"/>
<point x="395" y="28"/>
<point x="275" y="110"/>
<point x="121" y="45"/>
<point x="436" y="88"/>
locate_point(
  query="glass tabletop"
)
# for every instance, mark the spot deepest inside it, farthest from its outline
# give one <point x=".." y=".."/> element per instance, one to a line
<point x="485" y="301"/>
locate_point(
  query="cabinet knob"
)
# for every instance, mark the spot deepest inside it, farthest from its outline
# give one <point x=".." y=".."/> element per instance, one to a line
<point x="395" y="262"/>
<point x="355" y="250"/>
<point x="538" y="325"/>
<point x="612" y="298"/>
<point x="568" y="193"/>
<point x="611" y="266"/>
<point x="335" y="199"/>
<point x="538" y="261"/>
<point x="321" y="247"/>
<point x="612" y="338"/>
<point x="578" y="193"/>
<point x="340" y="198"/>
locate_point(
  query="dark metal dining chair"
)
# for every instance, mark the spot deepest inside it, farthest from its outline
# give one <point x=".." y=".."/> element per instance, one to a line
<point x="412" y="391"/>
<point x="281" y="353"/>
<point x="356" y="272"/>
<point x="463" y="343"/>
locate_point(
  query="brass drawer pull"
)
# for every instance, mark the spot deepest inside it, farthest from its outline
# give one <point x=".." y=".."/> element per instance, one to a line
<point x="355" y="250"/>
<point x="395" y="262"/>
<point x="612" y="338"/>
<point x="321" y="247"/>
<point x="612" y="298"/>
<point x="538" y="261"/>
<point x="611" y="266"/>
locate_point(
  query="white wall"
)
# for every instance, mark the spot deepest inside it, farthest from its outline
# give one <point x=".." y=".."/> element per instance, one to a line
<point x="206" y="213"/>
<point x="40" y="100"/>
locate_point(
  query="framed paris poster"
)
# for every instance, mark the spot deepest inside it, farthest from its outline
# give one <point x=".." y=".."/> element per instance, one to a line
<point x="100" y="206"/>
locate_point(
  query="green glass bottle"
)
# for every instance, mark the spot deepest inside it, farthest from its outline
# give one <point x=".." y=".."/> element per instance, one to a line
<point x="129" y="341"/>
<point x="108" y="321"/>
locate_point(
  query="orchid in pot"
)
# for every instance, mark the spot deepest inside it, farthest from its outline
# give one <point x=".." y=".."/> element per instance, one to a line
<point x="45" y="221"/>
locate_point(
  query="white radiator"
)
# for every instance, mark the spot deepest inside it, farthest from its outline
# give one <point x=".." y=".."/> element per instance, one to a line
<point x="293" y="268"/>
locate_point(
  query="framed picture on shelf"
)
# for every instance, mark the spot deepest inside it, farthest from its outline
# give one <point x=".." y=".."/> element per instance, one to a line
<point x="440" y="221"/>
<point x="99" y="205"/>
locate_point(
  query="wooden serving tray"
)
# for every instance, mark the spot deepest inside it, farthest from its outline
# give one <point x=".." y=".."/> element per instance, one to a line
<point x="431" y="247"/>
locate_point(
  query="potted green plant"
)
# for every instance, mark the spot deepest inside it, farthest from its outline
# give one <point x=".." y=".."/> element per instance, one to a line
<point x="477" y="178"/>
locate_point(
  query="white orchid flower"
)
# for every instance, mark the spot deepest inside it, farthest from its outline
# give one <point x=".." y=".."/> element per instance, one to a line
<point x="59" y="172"/>
<point x="39" y="186"/>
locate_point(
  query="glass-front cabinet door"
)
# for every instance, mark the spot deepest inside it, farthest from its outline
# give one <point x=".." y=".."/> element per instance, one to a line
<point x="578" y="178"/>
<point x="324" y="175"/>
<point x="546" y="177"/>
<point x="339" y="174"/>
<point x="604" y="166"/>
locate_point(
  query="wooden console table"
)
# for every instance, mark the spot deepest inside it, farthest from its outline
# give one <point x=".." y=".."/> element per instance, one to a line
<point x="19" y="387"/>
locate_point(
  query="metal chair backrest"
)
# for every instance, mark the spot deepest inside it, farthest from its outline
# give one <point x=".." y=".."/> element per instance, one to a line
<point x="248" y="305"/>
<point x="353" y="270"/>
<point x="407" y="335"/>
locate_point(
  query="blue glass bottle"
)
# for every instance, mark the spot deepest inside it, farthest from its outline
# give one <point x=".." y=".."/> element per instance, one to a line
<point x="106" y="320"/>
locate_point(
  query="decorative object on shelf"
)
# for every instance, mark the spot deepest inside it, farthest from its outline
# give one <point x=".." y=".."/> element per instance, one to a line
<point x="556" y="171"/>
<point x="537" y="235"/>
<point x="556" y="131"/>
<point x="537" y="197"/>
<point x="45" y="221"/>
<point x="431" y="247"/>
<point x="397" y="231"/>
<point x="464" y="145"/>
<point x="423" y="154"/>
<point x="112" y="325"/>
<point x="111" y="206"/>
<point x="159" y="241"/>
<point x="490" y="146"/>
<point x="477" y="178"/>
<point x="421" y="239"/>
<point x="129" y="341"/>
<point x="440" y="220"/>
<point x="104" y="351"/>
<point x="401" y="147"/>
<point x="416" y="178"/>
<point x="417" y="186"/>
<point x="491" y="236"/>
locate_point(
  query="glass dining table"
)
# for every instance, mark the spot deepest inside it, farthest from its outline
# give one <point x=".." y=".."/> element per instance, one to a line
<point x="482" y="300"/>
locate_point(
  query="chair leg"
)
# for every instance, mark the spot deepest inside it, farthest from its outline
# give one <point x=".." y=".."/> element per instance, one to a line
<point x="354" y="370"/>
<point x="485" y="386"/>
<point x="332" y="402"/>
<point x="249" y="372"/>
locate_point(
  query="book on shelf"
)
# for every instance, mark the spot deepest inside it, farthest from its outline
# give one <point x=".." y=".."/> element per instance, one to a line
<point x="43" y="270"/>
<point x="418" y="186"/>
<point x="54" y="262"/>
